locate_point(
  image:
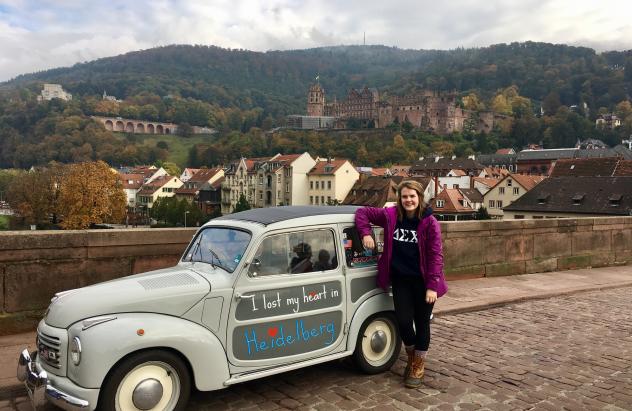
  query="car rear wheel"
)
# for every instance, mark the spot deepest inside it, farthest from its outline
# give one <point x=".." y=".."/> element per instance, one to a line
<point x="378" y="344"/>
<point x="149" y="380"/>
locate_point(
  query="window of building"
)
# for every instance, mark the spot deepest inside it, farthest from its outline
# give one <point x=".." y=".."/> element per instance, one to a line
<point x="328" y="199"/>
<point x="260" y="195"/>
<point x="317" y="185"/>
<point x="322" y="199"/>
<point x="492" y="204"/>
<point x="509" y="182"/>
<point x="519" y="217"/>
<point x="501" y="190"/>
<point x="287" y="187"/>
<point x="260" y="180"/>
<point x="316" y="199"/>
<point x="516" y="191"/>
<point x="311" y="185"/>
<point x="311" y="199"/>
<point x="356" y="255"/>
<point x="499" y="203"/>
<point x="279" y="178"/>
<point x="440" y="203"/>
<point x="329" y="185"/>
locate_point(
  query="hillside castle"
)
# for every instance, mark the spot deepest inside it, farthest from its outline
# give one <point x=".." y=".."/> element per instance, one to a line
<point x="432" y="111"/>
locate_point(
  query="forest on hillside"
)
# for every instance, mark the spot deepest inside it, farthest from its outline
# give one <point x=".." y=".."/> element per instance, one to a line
<point x="549" y="93"/>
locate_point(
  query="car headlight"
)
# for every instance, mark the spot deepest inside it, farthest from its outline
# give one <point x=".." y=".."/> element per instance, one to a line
<point x="75" y="350"/>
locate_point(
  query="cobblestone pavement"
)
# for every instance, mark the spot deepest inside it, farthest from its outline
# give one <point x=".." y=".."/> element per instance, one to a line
<point x="572" y="353"/>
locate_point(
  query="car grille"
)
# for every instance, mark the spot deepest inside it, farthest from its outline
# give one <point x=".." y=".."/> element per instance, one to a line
<point x="48" y="347"/>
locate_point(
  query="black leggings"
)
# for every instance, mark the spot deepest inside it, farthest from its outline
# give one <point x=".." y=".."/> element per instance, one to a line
<point x="409" y="297"/>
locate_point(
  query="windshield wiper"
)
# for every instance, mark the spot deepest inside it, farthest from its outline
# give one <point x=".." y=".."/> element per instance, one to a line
<point x="196" y="249"/>
<point x="215" y="256"/>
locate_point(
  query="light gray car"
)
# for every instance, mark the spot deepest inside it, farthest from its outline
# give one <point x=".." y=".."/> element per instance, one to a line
<point x="256" y="293"/>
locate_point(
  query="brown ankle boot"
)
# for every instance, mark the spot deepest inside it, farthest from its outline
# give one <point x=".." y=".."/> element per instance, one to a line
<point x="410" y="352"/>
<point x="413" y="380"/>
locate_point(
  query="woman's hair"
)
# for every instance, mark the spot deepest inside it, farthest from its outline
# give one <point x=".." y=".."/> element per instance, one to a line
<point x="412" y="185"/>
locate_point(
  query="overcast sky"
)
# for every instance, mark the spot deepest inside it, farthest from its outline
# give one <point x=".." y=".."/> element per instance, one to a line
<point x="37" y="35"/>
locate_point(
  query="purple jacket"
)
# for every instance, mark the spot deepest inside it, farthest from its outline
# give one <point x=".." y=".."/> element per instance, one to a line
<point x="430" y="252"/>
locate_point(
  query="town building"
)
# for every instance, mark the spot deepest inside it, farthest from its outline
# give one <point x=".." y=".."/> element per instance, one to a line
<point x="506" y="161"/>
<point x="608" y="121"/>
<point x="209" y="197"/>
<point x="163" y="186"/>
<point x="451" y="205"/>
<point x="310" y="122"/>
<point x="381" y="191"/>
<point x="131" y="184"/>
<point x="441" y="166"/>
<point x="187" y="173"/>
<point x="52" y="91"/>
<point x="190" y="188"/>
<point x="330" y="180"/>
<point x="282" y="180"/>
<point x="240" y="180"/>
<point x="432" y="111"/>
<point x="574" y="197"/>
<point x="507" y="191"/>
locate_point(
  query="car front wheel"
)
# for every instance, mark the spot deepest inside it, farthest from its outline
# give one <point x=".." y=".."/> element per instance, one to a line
<point x="378" y="344"/>
<point x="149" y="380"/>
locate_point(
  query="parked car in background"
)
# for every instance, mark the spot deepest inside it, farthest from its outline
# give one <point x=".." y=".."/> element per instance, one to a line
<point x="256" y="293"/>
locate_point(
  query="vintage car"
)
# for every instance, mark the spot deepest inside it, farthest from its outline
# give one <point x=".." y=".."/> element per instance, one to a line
<point x="256" y="293"/>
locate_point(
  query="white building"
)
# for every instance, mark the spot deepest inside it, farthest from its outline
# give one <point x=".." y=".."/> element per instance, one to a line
<point x="52" y="91"/>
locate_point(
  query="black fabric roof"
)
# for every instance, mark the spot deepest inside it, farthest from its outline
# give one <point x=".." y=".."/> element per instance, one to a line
<point x="593" y="195"/>
<point x="271" y="215"/>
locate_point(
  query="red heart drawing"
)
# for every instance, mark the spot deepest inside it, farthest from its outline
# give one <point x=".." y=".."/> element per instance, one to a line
<point x="312" y="293"/>
<point x="273" y="331"/>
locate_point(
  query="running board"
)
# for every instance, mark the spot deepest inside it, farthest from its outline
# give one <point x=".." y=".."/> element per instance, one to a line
<point x="289" y="367"/>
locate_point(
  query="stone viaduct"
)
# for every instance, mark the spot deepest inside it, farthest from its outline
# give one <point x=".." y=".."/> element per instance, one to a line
<point x="36" y="264"/>
<point x="136" y="126"/>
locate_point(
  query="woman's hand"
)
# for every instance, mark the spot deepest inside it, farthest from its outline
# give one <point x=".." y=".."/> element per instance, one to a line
<point x="431" y="296"/>
<point x="368" y="243"/>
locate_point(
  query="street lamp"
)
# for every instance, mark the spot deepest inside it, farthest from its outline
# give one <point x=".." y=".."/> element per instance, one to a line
<point x="185" y="218"/>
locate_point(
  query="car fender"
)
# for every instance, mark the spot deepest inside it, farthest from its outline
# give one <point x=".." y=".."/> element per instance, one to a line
<point x="105" y="344"/>
<point x="376" y="304"/>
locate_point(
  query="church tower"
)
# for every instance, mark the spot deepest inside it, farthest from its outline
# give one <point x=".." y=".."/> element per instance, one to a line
<point x="316" y="100"/>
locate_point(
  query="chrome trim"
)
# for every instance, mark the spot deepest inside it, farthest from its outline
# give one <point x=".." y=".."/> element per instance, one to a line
<point x="52" y="345"/>
<point x="91" y="322"/>
<point x="39" y="389"/>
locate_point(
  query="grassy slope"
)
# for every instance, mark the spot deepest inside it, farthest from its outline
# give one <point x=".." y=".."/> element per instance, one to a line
<point x="178" y="146"/>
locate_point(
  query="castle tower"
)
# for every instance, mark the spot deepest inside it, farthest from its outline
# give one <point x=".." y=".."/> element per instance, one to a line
<point x="316" y="101"/>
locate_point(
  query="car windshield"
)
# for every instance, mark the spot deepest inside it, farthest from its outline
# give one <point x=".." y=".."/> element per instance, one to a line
<point x="220" y="247"/>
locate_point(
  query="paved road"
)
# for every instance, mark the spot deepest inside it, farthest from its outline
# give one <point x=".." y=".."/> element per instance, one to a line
<point x="572" y="352"/>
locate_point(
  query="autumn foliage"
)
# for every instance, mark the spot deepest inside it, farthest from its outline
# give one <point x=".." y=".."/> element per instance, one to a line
<point x="74" y="195"/>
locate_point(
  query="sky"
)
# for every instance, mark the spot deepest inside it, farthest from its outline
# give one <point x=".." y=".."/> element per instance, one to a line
<point x="38" y="35"/>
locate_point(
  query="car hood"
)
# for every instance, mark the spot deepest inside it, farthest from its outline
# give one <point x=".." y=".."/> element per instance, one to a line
<point x="170" y="291"/>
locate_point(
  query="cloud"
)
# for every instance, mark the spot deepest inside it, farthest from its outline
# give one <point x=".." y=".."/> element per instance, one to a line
<point x="38" y="35"/>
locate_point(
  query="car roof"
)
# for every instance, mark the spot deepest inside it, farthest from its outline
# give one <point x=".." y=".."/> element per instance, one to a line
<point x="270" y="215"/>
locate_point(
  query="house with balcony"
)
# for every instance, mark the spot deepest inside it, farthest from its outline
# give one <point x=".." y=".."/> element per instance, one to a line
<point x="240" y="179"/>
<point x="282" y="180"/>
<point x="330" y="180"/>
<point x="508" y="190"/>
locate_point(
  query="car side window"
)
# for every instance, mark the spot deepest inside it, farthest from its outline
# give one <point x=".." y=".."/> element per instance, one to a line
<point x="295" y="253"/>
<point x="355" y="254"/>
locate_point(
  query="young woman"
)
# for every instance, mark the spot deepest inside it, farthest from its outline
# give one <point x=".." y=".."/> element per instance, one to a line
<point x="412" y="261"/>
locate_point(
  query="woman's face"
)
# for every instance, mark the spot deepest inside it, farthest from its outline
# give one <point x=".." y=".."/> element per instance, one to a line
<point x="409" y="199"/>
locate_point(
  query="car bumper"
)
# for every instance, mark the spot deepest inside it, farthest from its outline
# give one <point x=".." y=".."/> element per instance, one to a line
<point x="40" y="388"/>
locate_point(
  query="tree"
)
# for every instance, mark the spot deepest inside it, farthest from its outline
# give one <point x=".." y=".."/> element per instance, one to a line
<point x="482" y="214"/>
<point x="89" y="193"/>
<point x="32" y="195"/>
<point x="242" y="204"/>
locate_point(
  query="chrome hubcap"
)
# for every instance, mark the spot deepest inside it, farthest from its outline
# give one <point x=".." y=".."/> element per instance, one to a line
<point x="147" y="394"/>
<point x="378" y="341"/>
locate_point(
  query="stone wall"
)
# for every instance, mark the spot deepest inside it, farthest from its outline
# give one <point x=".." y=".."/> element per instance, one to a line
<point x="36" y="264"/>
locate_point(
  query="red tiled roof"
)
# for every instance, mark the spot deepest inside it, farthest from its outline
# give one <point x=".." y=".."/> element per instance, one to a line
<point x="451" y="198"/>
<point x="527" y="181"/>
<point x="287" y="157"/>
<point x="205" y="174"/>
<point x="319" y="168"/>
<point x="504" y="151"/>
<point x="151" y="188"/>
<point x="132" y="181"/>
<point x="378" y="171"/>
<point x="489" y="182"/>
<point x="624" y="169"/>
<point x="458" y="172"/>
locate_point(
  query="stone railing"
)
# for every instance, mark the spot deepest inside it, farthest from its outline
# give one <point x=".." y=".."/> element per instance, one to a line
<point x="36" y="264"/>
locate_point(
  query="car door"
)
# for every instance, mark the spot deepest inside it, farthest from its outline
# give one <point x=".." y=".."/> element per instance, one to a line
<point x="360" y="265"/>
<point x="289" y="302"/>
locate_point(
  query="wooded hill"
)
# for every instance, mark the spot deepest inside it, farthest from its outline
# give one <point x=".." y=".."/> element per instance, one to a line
<point x="243" y="93"/>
